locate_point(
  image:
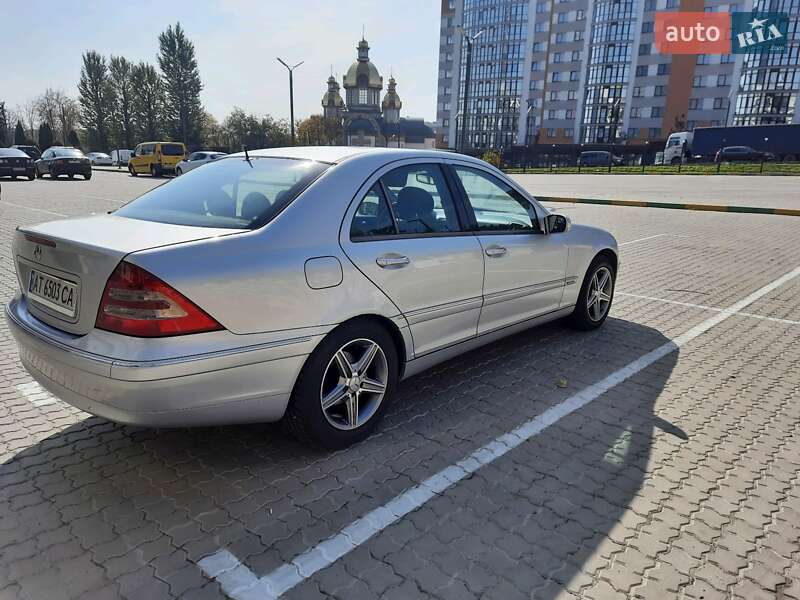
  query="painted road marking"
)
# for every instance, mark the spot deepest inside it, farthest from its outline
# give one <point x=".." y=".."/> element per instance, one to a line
<point x="36" y="394"/>
<point x="41" y="210"/>
<point x="651" y="237"/>
<point x="705" y="307"/>
<point x="240" y="583"/>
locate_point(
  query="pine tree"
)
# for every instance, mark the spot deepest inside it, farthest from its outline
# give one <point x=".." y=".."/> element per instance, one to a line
<point x="183" y="111"/>
<point x="119" y="69"/>
<point x="148" y="99"/>
<point x="19" y="134"/>
<point x="3" y="125"/>
<point x="45" y="136"/>
<point x="96" y="97"/>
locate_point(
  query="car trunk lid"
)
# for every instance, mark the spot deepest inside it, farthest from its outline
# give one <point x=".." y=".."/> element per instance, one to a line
<point x="63" y="265"/>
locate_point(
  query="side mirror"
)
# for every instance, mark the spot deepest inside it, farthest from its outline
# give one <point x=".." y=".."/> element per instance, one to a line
<point x="557" y="223"/>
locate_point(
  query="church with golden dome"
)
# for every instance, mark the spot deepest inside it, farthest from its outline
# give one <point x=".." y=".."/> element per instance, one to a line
<point x="368" y="120"/>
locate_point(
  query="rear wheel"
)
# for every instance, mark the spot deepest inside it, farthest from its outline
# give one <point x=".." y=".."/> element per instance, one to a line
<point x="675" y="161"/>
<point x="596" y="295"/>
<point x="71" y="175"/>
<point x="155" y="171"/>
<point x="344" y="387"/>
<point x="31" y="177"/>
<point x="38" y="173"/>
<point x="87" y="176"/>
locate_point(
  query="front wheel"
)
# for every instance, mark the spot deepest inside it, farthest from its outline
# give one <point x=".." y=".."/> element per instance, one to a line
<point x="38" y="173"/>
<point x="179" y="172"/>
<point x="344" y="387"/>
<point x="596" y="295"/>
<point x="132" y="171"/>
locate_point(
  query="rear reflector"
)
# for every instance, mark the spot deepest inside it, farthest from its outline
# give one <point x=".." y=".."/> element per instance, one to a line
<point x="138" y="303"/>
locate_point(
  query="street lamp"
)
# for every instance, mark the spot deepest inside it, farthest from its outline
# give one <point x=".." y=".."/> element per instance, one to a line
<point x="468" y="39"/>
<point x="291" y="93"/>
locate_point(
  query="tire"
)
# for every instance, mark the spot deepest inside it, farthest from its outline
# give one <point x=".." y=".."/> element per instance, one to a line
<point x="132" y="171"/>
<point x="71" y="175"/>
<point x="87" y="177"/>
<point x="321" y="376"/>
<point x="178" y="172"/>
<point x="38" y="173"/>
<point x="31" y="177"/>
<point x="675" y="161"/>
<point x="155" y="171"/>
<point x="585" y="316"/>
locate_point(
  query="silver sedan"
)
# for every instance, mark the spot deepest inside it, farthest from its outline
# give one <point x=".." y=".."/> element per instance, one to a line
<point x="298" y="284"/>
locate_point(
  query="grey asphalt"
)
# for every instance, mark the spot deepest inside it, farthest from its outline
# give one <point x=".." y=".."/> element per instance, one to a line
<point x="729" y="190"/>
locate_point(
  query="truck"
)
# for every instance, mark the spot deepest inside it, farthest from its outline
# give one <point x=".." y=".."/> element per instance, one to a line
<point x="703" y="143"/>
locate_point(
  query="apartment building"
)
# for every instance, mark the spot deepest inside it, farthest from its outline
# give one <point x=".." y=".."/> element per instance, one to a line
<point x="587" y="71"/>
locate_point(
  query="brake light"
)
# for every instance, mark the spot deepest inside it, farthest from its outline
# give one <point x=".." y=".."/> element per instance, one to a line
<point x="138" y="303"/>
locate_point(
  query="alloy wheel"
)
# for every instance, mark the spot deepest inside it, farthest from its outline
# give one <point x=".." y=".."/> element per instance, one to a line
<point x="354" y="384"/>
<point x="598" y="295"/>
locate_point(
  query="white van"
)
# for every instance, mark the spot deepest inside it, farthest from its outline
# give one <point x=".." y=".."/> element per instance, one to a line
<point x="121" y="157"/>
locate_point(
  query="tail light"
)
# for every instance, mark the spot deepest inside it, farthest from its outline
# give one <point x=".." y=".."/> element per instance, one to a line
<point x="138" y="303"/>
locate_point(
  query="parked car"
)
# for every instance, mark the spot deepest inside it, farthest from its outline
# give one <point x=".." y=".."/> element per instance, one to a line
<point x="121" y="157"/>
<point x="32" y="151"/>
<point x="63" y="160"/>
<point x="295" y="283"/>
<point x="598" y="158"/>
<point x="742" y="154"/>
<point x="16" y="163"/>
<point x="100" y="159"/>
<point x="197" y="159"/>
<point x="156" y="158"/>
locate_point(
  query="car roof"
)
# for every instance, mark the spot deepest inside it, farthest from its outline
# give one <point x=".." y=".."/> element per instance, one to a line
<point x="337" y="154"/>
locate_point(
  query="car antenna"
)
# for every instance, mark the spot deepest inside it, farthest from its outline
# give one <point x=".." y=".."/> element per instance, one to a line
<point x="246" y="155"/>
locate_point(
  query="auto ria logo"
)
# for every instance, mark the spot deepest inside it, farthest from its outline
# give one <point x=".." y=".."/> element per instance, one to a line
<point x="720" y="33"/>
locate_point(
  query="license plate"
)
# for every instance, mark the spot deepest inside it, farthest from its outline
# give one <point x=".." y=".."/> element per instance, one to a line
<point x="18" y="169"/>
<point x="55" y="293"/>
<point x="74" y="161"/>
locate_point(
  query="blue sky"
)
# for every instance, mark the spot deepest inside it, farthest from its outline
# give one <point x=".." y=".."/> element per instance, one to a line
<point x="236" y="42"/>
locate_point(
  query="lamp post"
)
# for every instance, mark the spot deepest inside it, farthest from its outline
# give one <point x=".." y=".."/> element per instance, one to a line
<point x="464" y="111"/>
<point x="291" y="93"/>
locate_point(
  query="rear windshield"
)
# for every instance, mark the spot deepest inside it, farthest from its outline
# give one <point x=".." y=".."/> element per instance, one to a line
<point x="231" y="193"/>
<point x="12" y="152"/>
<point x="68" y="152"/>
<point x="171" y="149"/>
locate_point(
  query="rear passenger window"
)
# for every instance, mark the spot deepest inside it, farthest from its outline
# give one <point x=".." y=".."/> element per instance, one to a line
<point x="420" y="200"/>
<point x="372" y="217"/>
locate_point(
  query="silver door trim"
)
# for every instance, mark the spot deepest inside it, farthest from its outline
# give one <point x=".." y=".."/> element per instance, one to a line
<point x="429" y="313"/>
<point x="514" y="293"/>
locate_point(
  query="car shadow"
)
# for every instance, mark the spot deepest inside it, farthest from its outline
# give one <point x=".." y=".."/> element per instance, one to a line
<point x="155" y="502"/>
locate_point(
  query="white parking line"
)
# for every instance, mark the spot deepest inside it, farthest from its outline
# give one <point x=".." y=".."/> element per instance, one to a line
<point x="41" y="210"/>
<point x="36" y="394"/>
<point x="238" y="582"/>
<point x="651" y="237"/>
<point x="704" y="307"/>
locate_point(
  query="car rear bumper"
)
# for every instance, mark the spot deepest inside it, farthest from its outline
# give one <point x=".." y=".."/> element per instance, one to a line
<point x="176" y="392"/>
<point x="12" y="172"/>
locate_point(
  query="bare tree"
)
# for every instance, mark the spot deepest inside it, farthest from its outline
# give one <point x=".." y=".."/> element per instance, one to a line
<point x="58" y="110"/>
<point x="30" y="118"/>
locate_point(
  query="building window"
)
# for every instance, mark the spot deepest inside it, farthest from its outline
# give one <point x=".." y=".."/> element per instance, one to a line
<point x="708" y="9"/>
<point x="641" y="71"/>
<point x="649" y="5"/>
<point x="576" y="55"/>
<point x="702" y="59"/>
<point x="577" y="36"/>
<point x="570" y="113"/>
<point x="660" y="90"/>
<point x="556" y="76"/>
<point x="560" y="37"/>
<point x="535" y="66"/>
<point x="537" y="46"/>
<point x="573" y="76"/>
<point x="450" y="39"/>
<point x="633" y="132"/>
<point x="538" y="28"/>
<point x="656" y="112"/>
<point x="551" y="114"/>
<point x="362" y="96"/>
<point x="635" y="112"/>
<point x="647" y="27"/>
<point x="637" y="92"/>
<point x="690" y="125"/>
<point x="654" y="132"/>
<point x="542" y="7"/>
<point x="726" y="59"/>
<point x="553" y="95"/>
<point x="644" y="49"/>
<point x="697" y="81"/>
<point x="717" y="103"/>
<point x="580" y="14"/>
<point x="562" y="17"/>
<point x="664" y="68"/>
<point x="557" y="57"/>
<point x="445" y="122"/>
<point x="569" y="132"/>
<point x="672" y="4"/>
<point x="446" y="106"/>
<point x="694" y="103"/>
<point x="551" y="133"/>
<point x="571" y="95"/>
<point x="722" y="80"/>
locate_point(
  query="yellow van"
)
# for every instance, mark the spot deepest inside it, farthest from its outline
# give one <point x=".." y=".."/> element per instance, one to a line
<point x="156" y="158"/>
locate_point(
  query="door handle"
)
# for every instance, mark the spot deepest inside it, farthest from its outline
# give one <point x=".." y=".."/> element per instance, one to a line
<point x="496" y="251"/>
<point x="392" y="262"/>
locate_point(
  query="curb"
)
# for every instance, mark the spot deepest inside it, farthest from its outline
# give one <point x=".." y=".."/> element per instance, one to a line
<point x="787" y="212"/>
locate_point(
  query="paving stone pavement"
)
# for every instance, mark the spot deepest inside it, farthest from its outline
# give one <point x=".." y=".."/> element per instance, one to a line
<point x="681" y="482"/>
